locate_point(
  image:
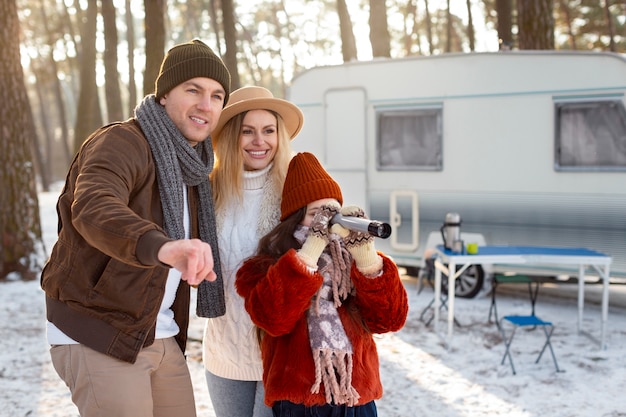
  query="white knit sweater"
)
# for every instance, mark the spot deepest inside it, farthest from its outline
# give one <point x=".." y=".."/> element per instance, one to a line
<point x="230" y="347"/>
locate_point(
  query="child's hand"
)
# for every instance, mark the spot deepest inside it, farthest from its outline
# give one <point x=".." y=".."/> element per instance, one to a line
<point x="321" y="221"/>
<point x="360" y="244"/>
<point x="318" y="238"/>
<point x="352" y="238"/>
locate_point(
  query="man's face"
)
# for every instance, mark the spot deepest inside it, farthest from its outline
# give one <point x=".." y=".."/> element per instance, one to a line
<point x="195" y="107"/>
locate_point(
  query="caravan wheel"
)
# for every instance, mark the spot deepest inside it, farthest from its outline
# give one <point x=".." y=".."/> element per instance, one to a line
<point x="468" y="284"/>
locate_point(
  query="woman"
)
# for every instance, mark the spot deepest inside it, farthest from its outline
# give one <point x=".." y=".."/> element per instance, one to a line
<point x="318" y="294"/>
<point x="252" y="149"/>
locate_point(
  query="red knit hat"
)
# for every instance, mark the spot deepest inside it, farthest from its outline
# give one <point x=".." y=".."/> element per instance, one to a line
<point x="306" y="181"/>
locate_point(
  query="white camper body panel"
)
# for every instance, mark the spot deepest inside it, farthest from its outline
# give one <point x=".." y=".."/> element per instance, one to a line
<point x="498" y="146"/>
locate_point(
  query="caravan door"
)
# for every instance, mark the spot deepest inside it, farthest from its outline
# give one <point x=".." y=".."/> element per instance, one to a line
<point x="404" y="220"/>
<point x="346" y="141"/>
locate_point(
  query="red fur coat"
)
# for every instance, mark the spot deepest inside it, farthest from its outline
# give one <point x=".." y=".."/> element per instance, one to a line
<point x="277" y="296"/>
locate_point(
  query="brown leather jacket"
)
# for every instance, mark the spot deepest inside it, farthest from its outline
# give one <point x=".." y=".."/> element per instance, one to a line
<point x="103" y="281"/>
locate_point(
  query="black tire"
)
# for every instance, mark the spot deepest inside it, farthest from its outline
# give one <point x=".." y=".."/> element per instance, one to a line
<point x="412" y="271"/>
<point x="468" y="284"/>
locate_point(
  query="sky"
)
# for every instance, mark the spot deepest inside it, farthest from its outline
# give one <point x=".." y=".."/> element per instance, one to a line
<point x="420" y="375"/>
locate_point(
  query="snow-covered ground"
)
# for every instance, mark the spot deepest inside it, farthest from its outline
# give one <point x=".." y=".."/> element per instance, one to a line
<point x="420" y="376"/>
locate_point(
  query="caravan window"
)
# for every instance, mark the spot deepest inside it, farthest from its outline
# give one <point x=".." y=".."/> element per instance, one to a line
<point x="409" y="139"/>
<point x="590" y="135"/>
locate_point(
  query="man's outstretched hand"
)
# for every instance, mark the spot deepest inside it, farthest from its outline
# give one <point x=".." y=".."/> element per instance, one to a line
<point x="192" y="257"/>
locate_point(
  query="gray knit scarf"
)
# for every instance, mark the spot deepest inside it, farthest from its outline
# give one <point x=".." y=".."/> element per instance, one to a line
<point x="177" y="163"/>
<point x="332" y="350"/>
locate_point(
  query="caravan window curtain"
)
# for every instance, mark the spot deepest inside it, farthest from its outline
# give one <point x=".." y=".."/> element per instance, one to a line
<point x="590" y="136"/>
<point x="409" y="139"/>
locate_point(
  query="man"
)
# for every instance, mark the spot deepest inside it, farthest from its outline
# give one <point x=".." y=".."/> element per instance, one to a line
<point x="135" y="218"/>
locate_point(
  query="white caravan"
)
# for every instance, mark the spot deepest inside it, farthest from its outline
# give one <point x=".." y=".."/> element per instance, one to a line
<point x="529" y="147"/>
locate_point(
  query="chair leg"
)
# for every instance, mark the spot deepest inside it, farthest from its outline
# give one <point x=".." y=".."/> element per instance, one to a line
<point x="425" y="310"/>
<point x="493" y="308"/>
<point x="420" y="283"/>
<point x="533" y="295"/>
<point x="427" y="273"/>
<point x="507" y="345"/>
<point x="548" y="344"/>
<point x="533" y="292"/>
<point x="443" y="304"/>
<point x="527" y="321"/>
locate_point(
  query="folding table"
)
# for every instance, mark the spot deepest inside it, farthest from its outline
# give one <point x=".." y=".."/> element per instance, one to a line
<point x="527" y="255"/>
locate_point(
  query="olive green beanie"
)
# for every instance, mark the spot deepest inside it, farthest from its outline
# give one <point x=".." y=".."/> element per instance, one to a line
<point x="190" y="60"/>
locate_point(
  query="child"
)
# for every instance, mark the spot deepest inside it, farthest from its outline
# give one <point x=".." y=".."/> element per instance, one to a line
<point x="318" y="292"/>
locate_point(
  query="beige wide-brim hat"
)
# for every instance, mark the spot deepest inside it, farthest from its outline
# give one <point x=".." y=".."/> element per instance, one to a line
<point x="259" y="98"/>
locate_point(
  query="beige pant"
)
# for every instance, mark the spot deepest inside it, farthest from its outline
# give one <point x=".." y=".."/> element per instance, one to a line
<point x="158" y="384"/>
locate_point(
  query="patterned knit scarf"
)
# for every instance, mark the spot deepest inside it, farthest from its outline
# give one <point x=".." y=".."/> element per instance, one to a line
<point x="332" y="350"/>
<point x="177" y="163"/>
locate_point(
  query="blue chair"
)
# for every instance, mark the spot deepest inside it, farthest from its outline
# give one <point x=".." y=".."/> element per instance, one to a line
<point x="513" y="279"/>
<point x="526" y="321"/>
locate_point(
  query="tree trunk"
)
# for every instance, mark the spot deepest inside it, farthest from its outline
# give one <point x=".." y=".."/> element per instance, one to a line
<point x="470" y="26"/>
<point x="45" y="172"/>
<point x="567" y="22"/>
<point x="21" y="246"/>
<point x="230" y="37"/>
<point x="58" y="95"/>
<point x="88" y="113"/>
<point x="505" y="24"/>
<point x="409" y="23"/>
<point x="610" y="27"/>
<point x="429" y="29"/>
<point x="111" y="75"/>
<point x="448" y="27"/>
<point x="283" y="29"/>
<point x="130" y="38"/>
<point x="348" y="42"/>
<point x="535" y="21"/>
<point x="415" y="33"/>
<point x="155" y="42"/>
<point x="379" y="32"/>
<point x="74" y="41"/>
<point x="216" y="27"/>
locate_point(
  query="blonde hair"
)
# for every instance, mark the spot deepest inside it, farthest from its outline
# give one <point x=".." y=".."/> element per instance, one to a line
<point x="227" y="175"/>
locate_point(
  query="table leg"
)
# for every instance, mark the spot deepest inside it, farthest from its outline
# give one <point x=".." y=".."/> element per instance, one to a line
<point x="605" y="306"/>
<point x="581" y="295"/>
<point x="437" y="303"/>
<point x="452" y="274"/>
<point x="604" y="274"/>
